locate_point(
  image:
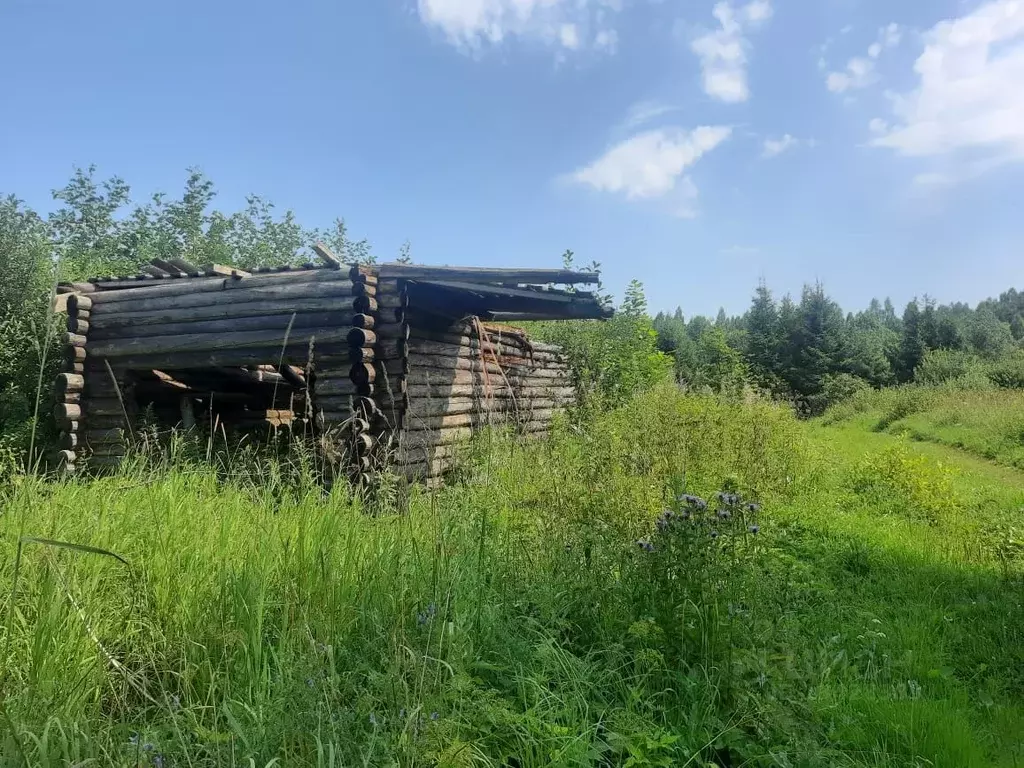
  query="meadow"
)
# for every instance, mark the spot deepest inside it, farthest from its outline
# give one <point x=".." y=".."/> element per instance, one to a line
<point x="682" y="581"/>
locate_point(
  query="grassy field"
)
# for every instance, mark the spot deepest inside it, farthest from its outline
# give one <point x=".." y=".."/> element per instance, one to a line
<point x="854" y="599"/>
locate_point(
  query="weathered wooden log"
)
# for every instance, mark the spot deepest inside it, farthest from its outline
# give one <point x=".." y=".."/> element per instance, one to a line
<point x="75" y="287"/>
<point x="499" y="344"/>
<point x="392" y="300"/>
<point x="74" y="354"/>
<point x="415" y="423"/>
<point x="338" y="386"/>
<point x="361" y="337"/>
<point x="216" y="312"/>
<point x="315" y="290"/>
<point x="103" y="406"/>
<point x="63" y="458"/>
<point x="364" y="321"/>
<point x="68" y="382"/>
<point x="77" y="326"/>
<point x="209" y="342"/>
<point x="70" y="397"/>
<point x="398" y="331"/>
<point x="185" y="266"/>
<point x="365" y="304"/>
<point x="167" y="267"/>
<point x="282" y="322"/>
<point x="326" y="255"/>
<point x="78" y="303"/>
<point x="65" y="413"/>
<point x="362" y="373"/>
<point x="105" y="434"/>
<point x="68" y="440"/>
<point x="432" y="437"/>
<point x="74" y="339"/>
<point x="444" y="391"/>
<point x="486" y="274"/>
<point x="422" y="470"/>
<point x="424" y="407"/>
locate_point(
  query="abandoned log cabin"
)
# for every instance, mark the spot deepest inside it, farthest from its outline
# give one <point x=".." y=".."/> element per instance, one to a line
<point x="399" y="363"/>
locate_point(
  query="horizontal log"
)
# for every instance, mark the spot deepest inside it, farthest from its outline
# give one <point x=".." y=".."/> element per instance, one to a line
<point x="105" y="435"/>
<point x="408" y="454"/>
<point x="64" y="287"/>
<point x="416" y="423"/>
<point x="338" y="319"/>
<point x="78" y="303"/>
<point x="74" y="354"/>
<point x="361" y="337"/>
<point x="69" y="397"/>
<point x="208" y="342"/>
<point x="69" y="382"/>
<point x="365" y="304"/>
<point x="104" y="406"/>
<point x="364" y="321"/>
<point x="230" y="311"/>
<point x="339" y="290"/>
<point x="98" y="421"/>
<point x="392" y="300"/>
<point x="77" y="326"/>
<point x="486" y="274"/>
<point x="65" y="413"/>
<point x="362" y="373"/>
<point x="393" y="331"/>
<point x="423" y="407"/>
<point x="337" y="386"/>
<point x="63" y="458"/>
<point x="436" y="391"/>
<point x="426" y="438"/>
<point x="68" y="440"/>
<point x="74" y="339"/>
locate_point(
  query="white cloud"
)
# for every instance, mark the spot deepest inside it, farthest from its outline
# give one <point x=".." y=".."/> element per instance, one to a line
<point x="562" y="24"/>
<point x="775" y="147"/>
<point x="723" y="52"/>
<point x="651" y="164"/>
<point x="860" y="70"/>
<point x="644" y="112"/>
<point x="969" y="96"/>
<point x="569" y="36"/>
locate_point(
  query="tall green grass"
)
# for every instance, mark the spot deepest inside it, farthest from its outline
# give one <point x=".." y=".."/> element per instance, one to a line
<point x="510" y="619"/>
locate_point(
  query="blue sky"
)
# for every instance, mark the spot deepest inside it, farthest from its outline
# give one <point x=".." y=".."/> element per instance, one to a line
<point x="697" y="146"/>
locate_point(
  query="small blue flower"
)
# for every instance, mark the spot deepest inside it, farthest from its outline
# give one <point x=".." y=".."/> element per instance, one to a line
<point x="427" y="615"/>
<point x="724" y="514"/>
<point x="714" y="534"/>
<point x="434" y="716"/>
<point x="158" y="761"/>
<point x="753" y="506"/>
<point x="133" y="739"/>
<point x="309" y="682"/>
<point x="645" y="545"/>
<point x="754" y="529"/>
<point x="147" y="747"/>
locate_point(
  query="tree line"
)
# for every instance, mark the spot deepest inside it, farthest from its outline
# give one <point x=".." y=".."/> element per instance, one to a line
<point x="812" y="352"/>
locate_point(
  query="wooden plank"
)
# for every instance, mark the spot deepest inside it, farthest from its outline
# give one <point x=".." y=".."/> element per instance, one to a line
<point x="168" y="267"/>
<point x="325" y="254"/>
<point x="190" y="269"/>
<point x="295" y="354"/>
<point x="155" y="271"/>
<point x="487" y="274"/>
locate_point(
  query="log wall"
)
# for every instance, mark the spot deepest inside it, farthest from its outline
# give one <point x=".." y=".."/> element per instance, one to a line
<point x="388" y="383"/>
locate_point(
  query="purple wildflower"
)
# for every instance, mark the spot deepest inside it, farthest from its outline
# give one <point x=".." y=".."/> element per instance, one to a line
<point x="158" y="761"/>
<point x="724" y="514"/>
<point x="434" y="716"/>
<point x="714" y="534"/>
<point x="645" y="545"/>
<point x="753" y="506"/>
<point x="754" y="529"/>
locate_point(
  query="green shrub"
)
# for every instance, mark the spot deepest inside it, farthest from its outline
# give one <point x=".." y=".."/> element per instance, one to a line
<point x="942" y="366"/>
<point x="1007" y="372"/>
<point x="900" y="482"/>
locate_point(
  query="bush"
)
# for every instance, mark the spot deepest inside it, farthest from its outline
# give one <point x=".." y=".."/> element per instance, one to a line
<point x="836" y="388"/>
<point x="1008" y="372"/>
<point x="945" y="366"/>
<point x="909" y="485"/>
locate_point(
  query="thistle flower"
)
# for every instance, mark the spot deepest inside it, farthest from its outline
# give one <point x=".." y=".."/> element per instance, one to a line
<point x="147" y="747"/>
<point x="434" y="716"/>
<point x="754" y="529"/>
<point x="753" y="506"/>
<point x="645" y="545"/>
<point x="158" y="761"/>
<point x="714" y="534"/>
<point x="724" y="514"/>
<point x="309" y="682"/>
<point x="427" y="615"/>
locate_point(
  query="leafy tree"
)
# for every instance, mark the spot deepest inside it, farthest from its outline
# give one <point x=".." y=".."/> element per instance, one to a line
<point x="912" y="346"/>
<point x="634" y="303"/>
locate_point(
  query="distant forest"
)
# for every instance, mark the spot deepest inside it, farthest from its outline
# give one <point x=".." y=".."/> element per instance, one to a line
<point x="815" y="353"/>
